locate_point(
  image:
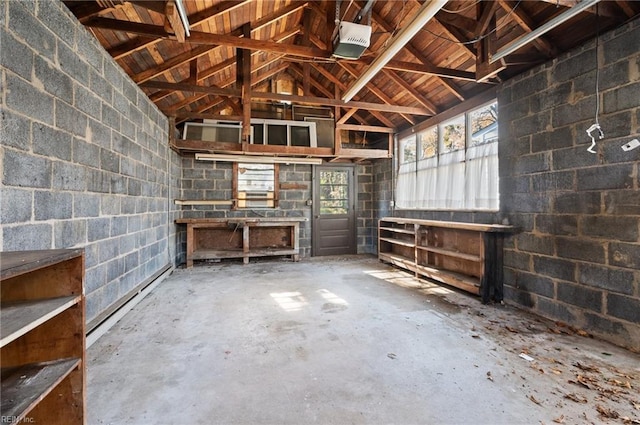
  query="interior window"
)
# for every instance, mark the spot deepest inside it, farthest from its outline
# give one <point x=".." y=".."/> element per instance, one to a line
<point x="255" y="185"/>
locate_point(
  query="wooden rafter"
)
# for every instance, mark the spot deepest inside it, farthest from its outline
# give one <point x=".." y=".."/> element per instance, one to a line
<point x="526" y="23"/>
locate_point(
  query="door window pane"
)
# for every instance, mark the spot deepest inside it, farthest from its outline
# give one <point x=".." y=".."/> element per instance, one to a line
<point x="334" y="192"/>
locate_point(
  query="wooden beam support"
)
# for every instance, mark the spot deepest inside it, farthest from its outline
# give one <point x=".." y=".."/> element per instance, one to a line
<point x="194" y="88"/>
<point x="309" y="100"/>
<point x="246" y="88"/>
<point x="526" y="23"/>
<point x="173" y="22"/>
<point x="411" y="91"/>
<point x="195" y="20"/>
<point x="368" y="128"/>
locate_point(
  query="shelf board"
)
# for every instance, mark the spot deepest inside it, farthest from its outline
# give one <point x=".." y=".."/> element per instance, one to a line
<point x="398" y="260"/>
<point x="208" y="254"/>
<point x="20" y="317"/>
<point x="451" y="253"/>
<point x="25" y="386"/>
<point x="398" y="230"/>
<point x="467" y="283"/>
<point x="399" y="242"/>
<point x="15" y="263"/>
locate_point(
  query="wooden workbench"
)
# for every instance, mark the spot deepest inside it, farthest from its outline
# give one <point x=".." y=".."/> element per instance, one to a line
<point x="219" y="238"/>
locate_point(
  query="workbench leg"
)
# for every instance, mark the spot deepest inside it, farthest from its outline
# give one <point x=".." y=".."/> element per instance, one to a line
<point x="189" y="246"/>
<point x="245" y="244"/>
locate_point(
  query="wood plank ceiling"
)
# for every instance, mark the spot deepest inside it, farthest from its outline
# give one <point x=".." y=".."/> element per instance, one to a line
<point x="290" y="45"/>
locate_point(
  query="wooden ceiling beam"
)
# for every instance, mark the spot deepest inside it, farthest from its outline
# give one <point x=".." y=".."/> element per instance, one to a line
<point x="85" y="11"/>
<point x="376" y="92"/>
<point x="526" y="23"/>
<point x="310" y="100"/>
<point x="453" y="88"/>
<point x="195" y="20"/>
<point x="411" y="91"/>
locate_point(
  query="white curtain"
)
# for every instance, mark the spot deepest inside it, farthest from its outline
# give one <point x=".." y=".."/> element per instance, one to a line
<point x="451" y="181"/>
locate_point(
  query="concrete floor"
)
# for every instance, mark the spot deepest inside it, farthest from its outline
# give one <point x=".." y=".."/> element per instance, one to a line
<point x="346" y="341"/>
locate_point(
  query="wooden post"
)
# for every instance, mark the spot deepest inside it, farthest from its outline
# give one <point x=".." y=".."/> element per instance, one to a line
<point x="245" y="71"/>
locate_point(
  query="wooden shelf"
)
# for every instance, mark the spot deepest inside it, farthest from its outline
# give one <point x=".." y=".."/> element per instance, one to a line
<point x="450" y="253"/>
<point x="458" y="280"/>
<point x="398" y="242"/>
<point x="25" y="386"/>
<point x="438" y="252"/>
<point x="398" y="230"/>
<point x="42" y="334"/>
<point x="16" y="319"/>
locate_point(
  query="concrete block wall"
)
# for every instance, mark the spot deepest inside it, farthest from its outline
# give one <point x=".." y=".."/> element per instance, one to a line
<point x="577" y="257"/>
<point x="84" y="156"/>
<point x="365" y="213"/>
<point x="213" y="181"/>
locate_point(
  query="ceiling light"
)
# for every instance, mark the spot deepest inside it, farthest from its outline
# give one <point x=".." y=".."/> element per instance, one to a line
<point x="256" y="159"/>
<point x="426" y="12"/>
<point x="546" y="27"/>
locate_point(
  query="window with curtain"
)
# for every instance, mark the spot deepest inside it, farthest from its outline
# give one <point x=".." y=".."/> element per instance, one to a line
<point x="452" y="165"/>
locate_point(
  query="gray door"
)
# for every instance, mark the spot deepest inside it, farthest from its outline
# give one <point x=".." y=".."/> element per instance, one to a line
<point x="334" y="214"/>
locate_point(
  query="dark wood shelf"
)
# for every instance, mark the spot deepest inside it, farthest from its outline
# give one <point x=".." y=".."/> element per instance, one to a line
<point x="398" y="230"/>
<point x="18" y="318"/>
<point x="398" y="242"/>
<point x="451" y="253"/>
<point x="25" y="386"/>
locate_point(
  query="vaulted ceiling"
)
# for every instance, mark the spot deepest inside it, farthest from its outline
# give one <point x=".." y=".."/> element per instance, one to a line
<point x="288" y="44"/>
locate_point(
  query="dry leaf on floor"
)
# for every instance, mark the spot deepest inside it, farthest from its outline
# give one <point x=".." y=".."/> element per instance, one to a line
<point x="575" y="397"/>
<point x="559" y="420"/>
<point x="628" y="420"/>
<point x="586" y="368"/>
<point x="532" y="398"/>
<point x="556" y="371"/>
<point x="607" y="413"/>
<point x="489" y="377"/>
<point x="510" y="329"/>
<point x="391" y="356"/>
<point x="636" y="405"/>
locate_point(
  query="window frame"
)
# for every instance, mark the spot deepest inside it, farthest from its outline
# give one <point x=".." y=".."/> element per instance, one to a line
<point x="241" y="203"/>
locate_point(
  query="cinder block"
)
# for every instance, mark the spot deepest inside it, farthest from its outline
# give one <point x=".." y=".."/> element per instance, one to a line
<point x="86" y="205"/>
<point x="16" y="205"/>
<point x="567" y="114"/>
<point x="69" y="176"/>
<point x="72" y="64"/>
<point x="16" y="130"/>
<point x="518" y="296"/>
<point x="531" y="124"/>
<point x="532" y="283"/>
<point x="551" y="97"/>
<point x="610" y="227"/>
<point x="109" y="161"/>
<point x="622" y="46"/>
<point x="551" y="140"/>
<point x="517" y="260"/>
<point x="26" y="237"/>
<point x="616" y="280"/>
<point x="612" y="329"/>
<point x="565" y="225"/>
<point x="555" y="310"/>
<point x="90" y="50"/>
<point x="111" y="118"/>
<point x="50" y="142"/>
<point x="27" y="27"/>
<point x="70" y="233"/>
<point x="581" y="296"/>
<point x="531" y="85"/>
<point x="626" y="308"/>
<point x="55" y="82"/>
<point x="25" y="170"/>
<point x="536" y="244"/>
<point x="579" y="249"/>
<point x="575" y="65"/>
<point x="70" y="119"/>
<point x="555" y="268"/>
<point x="108" y="250"/>
<point x="97" y="229"/>
<point x="114" y="74"/>
<point x="59" y="20"/>
<point x="624" y="255"/>
<point x="98" y="181"/>
<point x="14" y="55"/>
<point x="28" y="100"/>
<point x="553" y="181"/>
<point x="576" y="203"/>
<point x="52" y="205"/>
<point x="85" y="101"/>
<point x="614" y="76"/>
<point x="619" y="176"/>
<point x="623" y="202"/>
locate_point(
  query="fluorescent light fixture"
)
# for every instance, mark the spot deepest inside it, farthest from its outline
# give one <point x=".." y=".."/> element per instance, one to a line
<point x="257" y="159"/>
<point x="426" y="12"/>
<point x="546" y="27"/>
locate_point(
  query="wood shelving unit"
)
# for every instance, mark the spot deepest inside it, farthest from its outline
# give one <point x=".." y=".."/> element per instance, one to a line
<point x="465" y="255"/>
<point x="220" y="238"/>
<point x="42" y="336"/>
